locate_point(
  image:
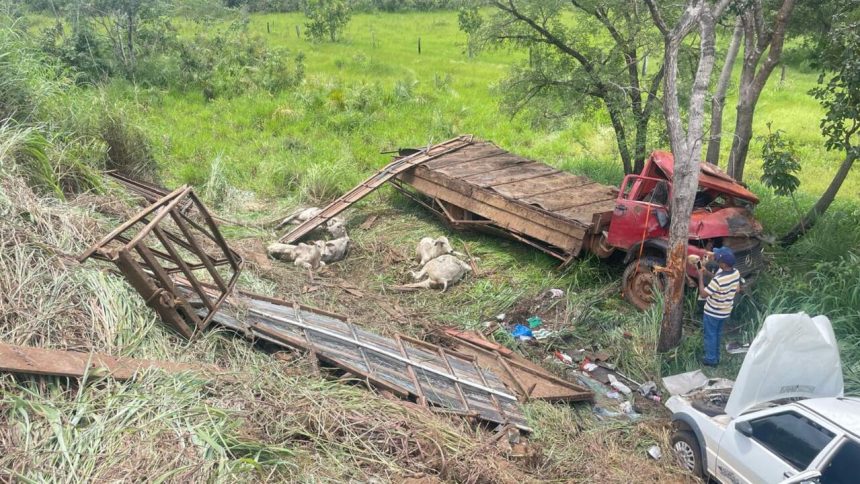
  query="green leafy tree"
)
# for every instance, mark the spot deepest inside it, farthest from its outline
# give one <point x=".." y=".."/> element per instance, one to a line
<point x="839" y="93"/>
<point x="326" y="18"/>
<point x="598" y="60"/>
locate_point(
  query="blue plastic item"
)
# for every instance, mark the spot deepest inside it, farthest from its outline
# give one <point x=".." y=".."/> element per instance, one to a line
<point x="522" y="331"/>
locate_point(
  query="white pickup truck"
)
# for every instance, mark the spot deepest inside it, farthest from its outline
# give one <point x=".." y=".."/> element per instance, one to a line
<point x="783" y="420"/>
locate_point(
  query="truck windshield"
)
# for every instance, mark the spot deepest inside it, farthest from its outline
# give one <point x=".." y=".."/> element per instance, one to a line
<point x="842" y="468"/>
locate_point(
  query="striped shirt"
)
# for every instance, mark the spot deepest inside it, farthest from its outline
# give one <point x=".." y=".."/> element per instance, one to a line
<point x="721" y="293"/>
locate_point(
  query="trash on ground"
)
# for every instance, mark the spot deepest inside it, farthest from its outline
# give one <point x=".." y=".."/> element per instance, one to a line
<point x="564" y="358"/>
<point x="614" y="383"/>
<point x="164" y="239"/>
<point x="534" y="322"/>
<point x="501" y="317"/>
<point x="736" y="348"/>
<point x="543" y="333"/>
<point x="587" y="365"/>
<point x="522" y="333"/>
<point x="555" y="293"/>
<point x="627" y="409"/>
<point x="615" y="395"/>
<point x="655" y="452"/>
<point x="527" y="379"/>
<point x="74" y="364"/>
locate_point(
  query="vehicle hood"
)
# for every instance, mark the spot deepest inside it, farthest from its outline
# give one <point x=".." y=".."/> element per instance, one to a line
<point x="793" y="356"/>
<point x="725" y="222"/>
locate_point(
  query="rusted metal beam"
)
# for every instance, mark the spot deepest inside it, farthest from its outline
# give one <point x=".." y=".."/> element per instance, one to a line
<point x="73" y="364"/>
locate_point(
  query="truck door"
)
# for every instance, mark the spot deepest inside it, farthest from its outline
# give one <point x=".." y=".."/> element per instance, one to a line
<point x="640" y="211"/>
<point x="769" y="448"/>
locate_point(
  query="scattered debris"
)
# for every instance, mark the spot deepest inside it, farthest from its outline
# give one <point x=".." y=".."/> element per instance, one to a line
<point x="649" y="390"/>
<point x="529" y="380"/>
<point x="522" y="333"/>
<point x="543" y="333"/>
<point x="614" y="383"/>
<point x="73" y="364"/>
<point x="555" y="293"/>
<point x="654" y="452"/>
<point x="194" y="248"/>
<point x="736" y="348"/>
<point x="534" y="322"/>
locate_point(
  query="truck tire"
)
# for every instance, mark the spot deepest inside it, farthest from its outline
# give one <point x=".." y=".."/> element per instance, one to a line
<point x="687" y="452"/>
<point x="638" y="281"/>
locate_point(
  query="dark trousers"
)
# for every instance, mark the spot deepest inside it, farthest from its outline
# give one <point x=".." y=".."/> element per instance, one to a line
<point x="712" y="328"/>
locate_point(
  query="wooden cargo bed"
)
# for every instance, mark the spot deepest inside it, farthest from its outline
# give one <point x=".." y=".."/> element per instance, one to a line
<point x="483" y="185"/>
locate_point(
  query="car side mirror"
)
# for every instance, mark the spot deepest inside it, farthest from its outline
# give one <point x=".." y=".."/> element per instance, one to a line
<point x="745" y="428"/>
<point x="809" y="476"/>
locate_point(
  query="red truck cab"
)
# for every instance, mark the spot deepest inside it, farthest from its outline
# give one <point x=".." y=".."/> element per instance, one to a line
<point x="722" y="216"/>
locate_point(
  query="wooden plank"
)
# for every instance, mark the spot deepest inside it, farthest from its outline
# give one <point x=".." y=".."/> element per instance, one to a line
<point x="585" y="213"/>
<point x="523" y="219"/>
<point x="486" y="165"/>
<point x="477" y="150"/>
<point x="571" y="197"/>
<point x="542" y="184"/>
<point x="40" y="361"/>
<point x="515" y="173"/>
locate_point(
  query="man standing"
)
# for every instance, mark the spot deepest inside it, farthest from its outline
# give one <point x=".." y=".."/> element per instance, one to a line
<point x="720" y="298"/>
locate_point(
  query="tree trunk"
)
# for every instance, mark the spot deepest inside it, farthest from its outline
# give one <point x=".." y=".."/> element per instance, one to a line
<point x="687" y="150"/>
<point x="719" y="100"/>
<point x="754" y="75"/>
<point x="620" y="135"/>
<point x="823" y="203"/>
<point x="130" y="43"/>
<point x="741" y="141"/>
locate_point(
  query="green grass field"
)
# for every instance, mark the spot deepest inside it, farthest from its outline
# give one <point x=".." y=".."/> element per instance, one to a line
<point x="374" y="92"/>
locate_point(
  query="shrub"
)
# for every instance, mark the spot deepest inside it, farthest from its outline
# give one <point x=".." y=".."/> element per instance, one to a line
<point x="233" y="61"/>
<point x="326" y="18"/>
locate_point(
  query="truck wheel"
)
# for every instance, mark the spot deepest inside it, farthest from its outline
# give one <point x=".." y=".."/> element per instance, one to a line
<point x="687" y="451"/>
<point x="639" y="281"/>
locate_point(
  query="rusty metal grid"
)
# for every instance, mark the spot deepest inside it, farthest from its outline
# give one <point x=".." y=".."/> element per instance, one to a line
<point x="162" y="241"/>
<point x="433" y="376"/>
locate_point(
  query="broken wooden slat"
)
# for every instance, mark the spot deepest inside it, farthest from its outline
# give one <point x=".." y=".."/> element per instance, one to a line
<point x="73" y="364"/>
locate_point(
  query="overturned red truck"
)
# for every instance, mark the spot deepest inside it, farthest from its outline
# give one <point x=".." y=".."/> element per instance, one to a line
<point x="483" y="186"/>
<point x="471" y="183"/>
